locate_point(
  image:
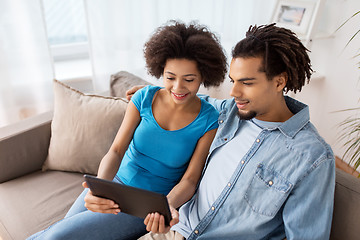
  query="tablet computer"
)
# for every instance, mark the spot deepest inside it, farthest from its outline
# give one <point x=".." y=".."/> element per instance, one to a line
<point x="131" y="200"/>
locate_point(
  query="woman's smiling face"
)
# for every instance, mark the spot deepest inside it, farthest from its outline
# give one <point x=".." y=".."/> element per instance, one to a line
<point x="182" y="79"/>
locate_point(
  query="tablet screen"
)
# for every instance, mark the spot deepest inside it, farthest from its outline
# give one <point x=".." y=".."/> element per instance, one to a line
<point x="131" y="200"/>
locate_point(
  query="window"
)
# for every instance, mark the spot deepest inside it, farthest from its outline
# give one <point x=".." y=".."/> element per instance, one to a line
<point x="68" y="38"/>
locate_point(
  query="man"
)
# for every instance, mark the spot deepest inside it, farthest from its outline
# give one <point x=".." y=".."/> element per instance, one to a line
<point x="269" y="175"/>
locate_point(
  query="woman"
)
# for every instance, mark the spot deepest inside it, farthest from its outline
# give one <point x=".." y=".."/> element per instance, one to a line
<point x="163" y="140"/>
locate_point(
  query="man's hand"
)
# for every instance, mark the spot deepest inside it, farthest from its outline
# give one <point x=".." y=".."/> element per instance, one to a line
<point x="156" y="223"/>
<point x="97" y="204"/>
<point x="129" y="93"/>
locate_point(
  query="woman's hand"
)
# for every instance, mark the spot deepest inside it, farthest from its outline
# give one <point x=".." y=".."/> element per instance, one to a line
<point x="156" y="223"/>
<point x="101" y="205"/>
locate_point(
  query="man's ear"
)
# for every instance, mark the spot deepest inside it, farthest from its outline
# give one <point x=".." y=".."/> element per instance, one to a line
<point x="281" y="81"/>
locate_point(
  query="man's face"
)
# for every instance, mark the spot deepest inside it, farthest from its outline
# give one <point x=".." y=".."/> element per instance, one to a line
<point x="254" y="94"/>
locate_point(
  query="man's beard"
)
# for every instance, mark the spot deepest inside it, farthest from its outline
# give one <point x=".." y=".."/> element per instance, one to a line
<point x="247" y="116"/>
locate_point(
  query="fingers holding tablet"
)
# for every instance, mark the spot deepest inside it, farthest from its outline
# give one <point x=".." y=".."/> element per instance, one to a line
<point x="134" y="201"/>
<point x="99" y="204"/>
<point x="155" y="222"/>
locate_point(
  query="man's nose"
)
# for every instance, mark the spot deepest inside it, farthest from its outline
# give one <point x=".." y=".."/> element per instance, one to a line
<point x="236" y="90"/>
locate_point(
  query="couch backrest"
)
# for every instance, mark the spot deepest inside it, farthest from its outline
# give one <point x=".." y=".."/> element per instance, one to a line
<point x="122" y="81"/>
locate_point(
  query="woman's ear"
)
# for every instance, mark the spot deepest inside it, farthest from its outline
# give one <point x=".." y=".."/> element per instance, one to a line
<point x="281" y="81"/>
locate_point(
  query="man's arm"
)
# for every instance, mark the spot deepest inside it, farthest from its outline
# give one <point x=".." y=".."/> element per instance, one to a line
<point x="130" y="92"/>
<point x="217" y="103"/>
<point x="308" y="211"/>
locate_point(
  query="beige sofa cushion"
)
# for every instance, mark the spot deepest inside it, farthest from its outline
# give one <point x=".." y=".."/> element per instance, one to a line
<point x="82" y="129"/>
<point x="33" y="202"/>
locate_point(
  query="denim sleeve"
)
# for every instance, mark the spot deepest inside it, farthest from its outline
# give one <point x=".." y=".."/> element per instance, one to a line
<point x="217" y="103"/>
<point x="308" y="211"/>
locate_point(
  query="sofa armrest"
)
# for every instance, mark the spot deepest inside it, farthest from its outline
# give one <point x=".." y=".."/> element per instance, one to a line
<point x="24" y="146"/>
<point x="345" y="224"/>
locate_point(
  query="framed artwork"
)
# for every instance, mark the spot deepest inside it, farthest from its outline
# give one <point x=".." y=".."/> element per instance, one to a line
<point x="295" y="15"/>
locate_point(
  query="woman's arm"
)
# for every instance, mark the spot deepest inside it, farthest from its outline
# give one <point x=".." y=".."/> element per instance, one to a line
<point x="185" y="189"/>
<point x="110" y="163"/>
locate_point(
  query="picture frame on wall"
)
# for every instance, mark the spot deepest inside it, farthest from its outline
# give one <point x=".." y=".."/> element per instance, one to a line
<point x="296" y="15"/>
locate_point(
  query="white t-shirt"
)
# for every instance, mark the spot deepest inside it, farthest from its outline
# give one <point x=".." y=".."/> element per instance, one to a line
<point x="222" y="165"/>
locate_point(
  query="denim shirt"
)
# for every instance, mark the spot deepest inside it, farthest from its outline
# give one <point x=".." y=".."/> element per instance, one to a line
<point x="283" y="186"/>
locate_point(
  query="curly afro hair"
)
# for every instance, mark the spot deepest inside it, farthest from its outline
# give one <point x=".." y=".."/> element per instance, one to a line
<point x="281" y="50"/>
<point x="175" y="40"/>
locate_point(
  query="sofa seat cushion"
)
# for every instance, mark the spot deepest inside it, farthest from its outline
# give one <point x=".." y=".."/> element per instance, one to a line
<point x="35" y="201"/>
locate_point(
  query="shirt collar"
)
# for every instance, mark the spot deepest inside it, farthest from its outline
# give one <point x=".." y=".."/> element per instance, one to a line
<point x="301" y="117"/>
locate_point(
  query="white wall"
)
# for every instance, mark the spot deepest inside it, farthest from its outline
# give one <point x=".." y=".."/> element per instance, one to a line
<point x="340" y="87"/>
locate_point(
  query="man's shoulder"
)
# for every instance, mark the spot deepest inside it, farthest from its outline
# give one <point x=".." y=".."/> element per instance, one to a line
<point x="311" y="146"/>
<point x="297" y="157"/>
<point x="227" y="103"/>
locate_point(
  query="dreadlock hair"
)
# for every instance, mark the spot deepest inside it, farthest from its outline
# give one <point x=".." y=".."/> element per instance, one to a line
<point x="175" y="40"/>
<point x="280" y="50"/>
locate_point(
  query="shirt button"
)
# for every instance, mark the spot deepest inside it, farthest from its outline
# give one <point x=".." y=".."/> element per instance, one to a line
<point x="242" y="162"/>
<point x="257" y="140"/>
<point x="213" y="208"/>
<point x="225" y="139"/>
<point x="196" y="231"/>
<point x="221" y="121"/>
<point x="271" y="182"/>
<point x="229" y="184"/>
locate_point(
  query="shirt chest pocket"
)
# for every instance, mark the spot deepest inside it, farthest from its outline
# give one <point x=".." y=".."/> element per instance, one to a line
<point x="267" y="191"/>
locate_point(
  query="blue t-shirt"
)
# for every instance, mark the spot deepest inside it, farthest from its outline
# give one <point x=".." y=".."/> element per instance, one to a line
<point x="156" y="158"/>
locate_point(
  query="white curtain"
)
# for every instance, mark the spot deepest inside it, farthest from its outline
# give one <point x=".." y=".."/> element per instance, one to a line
<point x="25" y="64"/>
<point x="118" y="29"/>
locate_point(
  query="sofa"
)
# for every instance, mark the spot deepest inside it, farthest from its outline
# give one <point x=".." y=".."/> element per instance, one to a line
<point x="36" y="189"/>
<point x="36" y="192"/>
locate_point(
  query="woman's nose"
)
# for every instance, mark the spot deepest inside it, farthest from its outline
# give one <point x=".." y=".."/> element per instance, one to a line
<point x="177" y="84"/>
